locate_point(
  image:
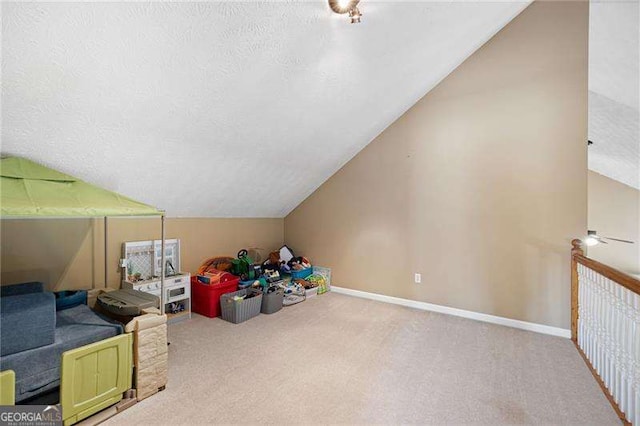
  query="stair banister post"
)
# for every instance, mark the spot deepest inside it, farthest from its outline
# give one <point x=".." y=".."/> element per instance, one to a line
<point x="576" y="250"/>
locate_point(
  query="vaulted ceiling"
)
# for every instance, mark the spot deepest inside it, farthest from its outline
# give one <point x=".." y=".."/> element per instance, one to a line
<point x="614" y="90"/>
<point x="221" y="109"/>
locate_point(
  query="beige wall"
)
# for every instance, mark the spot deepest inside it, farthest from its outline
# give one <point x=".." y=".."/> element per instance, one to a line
<point x="480" y="186"/>
<point x="58" y="252"/>
<point x="69" y="254"/>
<point x="614" y="211"/>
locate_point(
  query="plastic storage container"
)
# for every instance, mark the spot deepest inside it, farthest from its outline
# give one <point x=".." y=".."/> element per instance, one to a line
<point x="310" y="292"/>
<point x="68" y="299"/>
<point x="205" y="299"/>
<point x="301" y="274"/>
<point x="237" y="311"/>
<point x="272" y="302"/>
<point x="242" y="285"/>
<point x="127" y="302"/>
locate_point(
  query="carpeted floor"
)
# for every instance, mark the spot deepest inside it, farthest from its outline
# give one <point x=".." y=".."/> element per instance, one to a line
<point x="339" y="359"/>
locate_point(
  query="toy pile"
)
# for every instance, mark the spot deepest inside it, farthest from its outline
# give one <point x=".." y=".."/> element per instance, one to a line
<point x="282" y="270"/>
<point x="298" y="275"/>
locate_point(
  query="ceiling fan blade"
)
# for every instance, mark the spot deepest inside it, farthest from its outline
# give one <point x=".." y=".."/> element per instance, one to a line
<point x="619" y="240"/>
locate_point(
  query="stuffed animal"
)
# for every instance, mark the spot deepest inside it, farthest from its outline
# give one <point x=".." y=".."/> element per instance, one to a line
<point x="299" y="263"/>
<point x="275" y="263"/>
<point x="274" y="258"/>
<point x="306" y="284"/>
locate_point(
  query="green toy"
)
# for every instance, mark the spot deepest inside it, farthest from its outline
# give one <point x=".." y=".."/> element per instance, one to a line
<point x="244" y="268"/>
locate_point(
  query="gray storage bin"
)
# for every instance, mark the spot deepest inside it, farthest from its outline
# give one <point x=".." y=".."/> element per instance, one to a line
<point x="241" y="310"/>
<point x="272" y="302"/>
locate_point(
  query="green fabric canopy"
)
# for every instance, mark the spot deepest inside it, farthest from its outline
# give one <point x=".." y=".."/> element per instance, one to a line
<point x="28" y="189"/>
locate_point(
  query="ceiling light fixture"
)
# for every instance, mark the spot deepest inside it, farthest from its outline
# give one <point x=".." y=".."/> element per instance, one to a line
<point x="590" y="241"/>
<point x="355" y="15"/>
<point x="593" y="238"/>
<point x="347" y="6"/>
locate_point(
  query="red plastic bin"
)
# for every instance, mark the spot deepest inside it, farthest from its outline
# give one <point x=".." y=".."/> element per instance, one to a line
<point x="205" y="299"/>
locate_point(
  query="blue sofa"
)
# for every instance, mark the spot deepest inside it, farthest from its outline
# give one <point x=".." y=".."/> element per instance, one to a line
<point x="33" y="336"/>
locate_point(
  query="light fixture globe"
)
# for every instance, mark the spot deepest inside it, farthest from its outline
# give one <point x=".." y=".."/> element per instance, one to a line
<point x="590" y="241"/>
<point x="343" y="6"/>
<point x="592" y="238"/>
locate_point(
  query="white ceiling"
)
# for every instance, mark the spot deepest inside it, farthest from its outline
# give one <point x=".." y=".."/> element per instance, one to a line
<point x="614" y="128"/>
<point x="614" y="90"/>
<point x="221" y="109"/>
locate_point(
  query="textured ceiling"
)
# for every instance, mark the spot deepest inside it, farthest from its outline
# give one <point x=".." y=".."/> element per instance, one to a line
<point x="226" y="109"/>
<point x="614" y="90"/>
<point x="616" y="151"/>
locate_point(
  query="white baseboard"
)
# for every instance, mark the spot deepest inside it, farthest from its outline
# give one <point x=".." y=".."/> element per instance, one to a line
<point x="522" y="325"/>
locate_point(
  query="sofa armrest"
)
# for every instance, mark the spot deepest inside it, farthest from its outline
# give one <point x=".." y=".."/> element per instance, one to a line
<point x="27" y="321"/>
<point x="24" y="288"/>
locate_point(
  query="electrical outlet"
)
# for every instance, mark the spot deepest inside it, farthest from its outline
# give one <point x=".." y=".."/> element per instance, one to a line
<point x="418" y="278"/>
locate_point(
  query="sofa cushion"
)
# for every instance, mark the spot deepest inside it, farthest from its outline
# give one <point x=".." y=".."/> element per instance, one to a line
<point x="27" y="321"/>
<point x="24" y="288"/>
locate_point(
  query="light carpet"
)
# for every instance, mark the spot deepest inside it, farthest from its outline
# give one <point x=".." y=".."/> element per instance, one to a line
<point x="341" y="359"/>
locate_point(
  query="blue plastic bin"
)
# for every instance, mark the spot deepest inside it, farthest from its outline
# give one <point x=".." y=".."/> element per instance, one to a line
<point x="243" y="285"/>
<point x="302" y="274"/>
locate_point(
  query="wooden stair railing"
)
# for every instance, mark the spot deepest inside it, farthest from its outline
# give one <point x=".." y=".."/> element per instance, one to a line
<point x="605" y="328"/>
